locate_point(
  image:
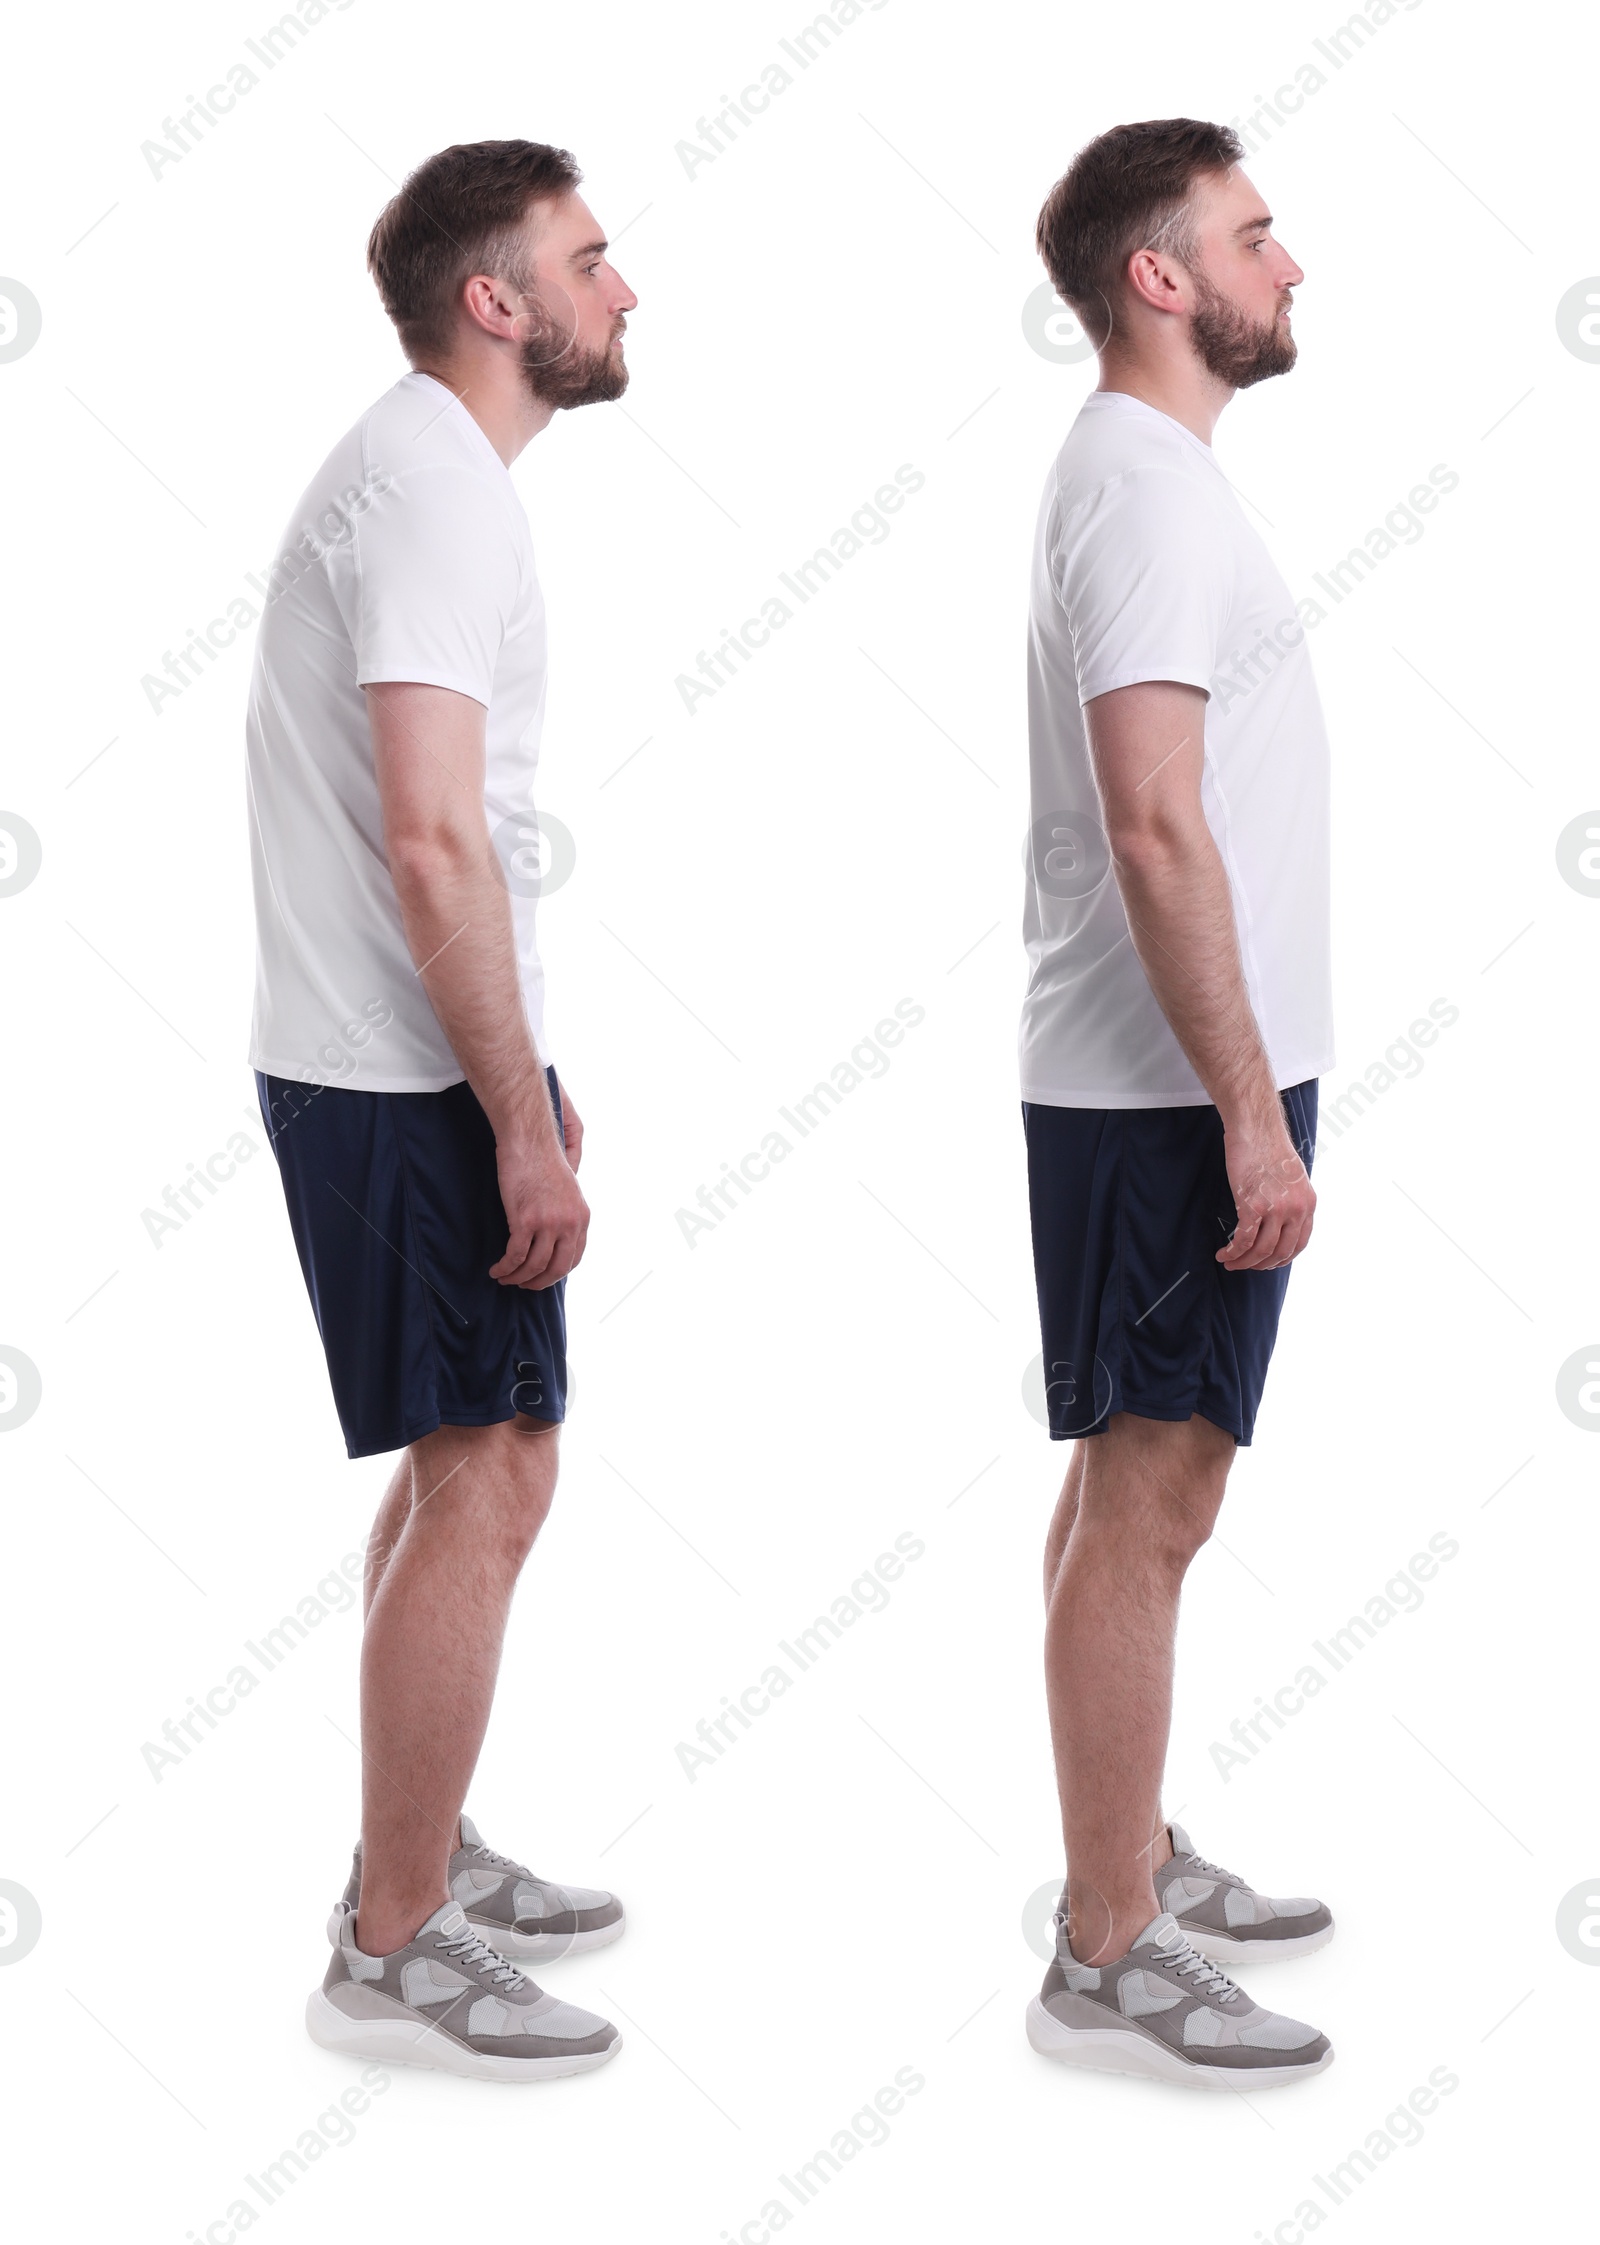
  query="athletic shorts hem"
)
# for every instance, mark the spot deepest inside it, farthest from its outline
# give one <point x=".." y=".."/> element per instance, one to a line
<point x="1151" y="1411"/>
<point x="419" y="1433"/>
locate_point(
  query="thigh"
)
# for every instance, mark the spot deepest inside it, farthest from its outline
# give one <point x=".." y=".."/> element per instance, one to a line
<point x="1157" y="1483"/>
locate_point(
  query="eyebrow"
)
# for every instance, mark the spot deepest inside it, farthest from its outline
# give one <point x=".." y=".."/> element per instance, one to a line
<point x="589" y="249"/>
<point x="1255" y="225"/>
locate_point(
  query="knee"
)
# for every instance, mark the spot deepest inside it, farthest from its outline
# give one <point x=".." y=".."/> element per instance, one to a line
<point x="508" y="1530"/>
<point x="517" y="1533"/>
<point x="1182" y="1528"/>
<point x="525" y="1494"/>
<point x="1055" y="1543"/>
<point x="1183" y="1535"/>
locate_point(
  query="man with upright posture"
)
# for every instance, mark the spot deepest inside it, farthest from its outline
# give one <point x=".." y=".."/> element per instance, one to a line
<point x="1177" y="1017"/>
<point x="427" y="1148"/>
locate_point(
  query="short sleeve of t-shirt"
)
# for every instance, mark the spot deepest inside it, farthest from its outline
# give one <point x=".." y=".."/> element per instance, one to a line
<point x="1139" y="570"/>
<point x="437" y="579"/>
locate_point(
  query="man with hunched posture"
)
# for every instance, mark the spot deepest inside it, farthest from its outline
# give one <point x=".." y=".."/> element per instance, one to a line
<point x="1177" y="1016"/>
<point x="427" y="1149"/>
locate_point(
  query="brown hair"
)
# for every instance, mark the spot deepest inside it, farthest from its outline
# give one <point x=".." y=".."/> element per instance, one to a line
<point x="1128" y="188"/>
<point x="460" y="213"/>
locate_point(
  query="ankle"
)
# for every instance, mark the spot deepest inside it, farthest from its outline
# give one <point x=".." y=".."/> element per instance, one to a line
<point x="1161" y="1847"/>
<point x="1101" y="1929"/>
<point x="1115" y="1943"/>
<point x="385" y="1924"/>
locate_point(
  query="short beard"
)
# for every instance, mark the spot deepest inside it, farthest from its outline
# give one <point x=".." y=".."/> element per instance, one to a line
<point x="1230" y="345"/>
<point x="559" y="374"/>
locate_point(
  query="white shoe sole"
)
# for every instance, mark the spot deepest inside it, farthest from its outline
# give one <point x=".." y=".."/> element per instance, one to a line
<point x="524" y="1945"/>
<point x="401" y="2043"/>
<point x="1223" y="1950"/>
<point x="1120" y="2050"/>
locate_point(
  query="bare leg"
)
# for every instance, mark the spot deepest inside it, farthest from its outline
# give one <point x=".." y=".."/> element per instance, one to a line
<point x="1055" y="1545"/>
<point x="435" y="1622"/>
<point x="387" y="1526"/>
<point x="1066" y="1512"/>
<point x="1138" y="1503"/>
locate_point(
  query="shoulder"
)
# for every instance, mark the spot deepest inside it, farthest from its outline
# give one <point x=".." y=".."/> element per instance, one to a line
<point x="1108" y="447"/>
<point x="413" y="441"/>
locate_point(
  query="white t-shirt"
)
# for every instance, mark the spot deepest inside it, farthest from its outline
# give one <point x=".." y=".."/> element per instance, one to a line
<point x="1146" y="568"/>
<point x="408" y="558"/>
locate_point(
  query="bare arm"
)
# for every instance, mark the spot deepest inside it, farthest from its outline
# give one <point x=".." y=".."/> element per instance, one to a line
<point x="1146" y="742"/>
<point x="428" y="750"/>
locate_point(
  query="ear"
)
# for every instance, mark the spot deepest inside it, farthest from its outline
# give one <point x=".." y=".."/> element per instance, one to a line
<point x="493" y="306"/>
<point x="1157" y="280"/>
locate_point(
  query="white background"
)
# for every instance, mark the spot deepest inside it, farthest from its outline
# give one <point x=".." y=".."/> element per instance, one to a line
<point x="843" y="1360"/>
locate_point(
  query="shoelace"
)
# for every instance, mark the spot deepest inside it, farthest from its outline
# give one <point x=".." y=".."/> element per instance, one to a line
<point x="505" y="1862"/>
<point x="1201" y="1864"/>
<point x="468" y="1948"/>
<point x="1185" y="1959"/>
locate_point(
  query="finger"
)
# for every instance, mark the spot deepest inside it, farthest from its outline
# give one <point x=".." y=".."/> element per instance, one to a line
<point x="540" y="1249"/>
<point x="1268" y="1249"/>
<point x="1254" y="1253"/>
<point x="1300" y="1226"/>
<point x="1302" y="1235"/>
<point x="566" y="1248"/>
<point x="1244" y="1233"/>
<point x="560" y="1263"/>
<point x="1298" y="1214"/>
<point x="516" y="1253"/>
<point x="1297" y="1232"/>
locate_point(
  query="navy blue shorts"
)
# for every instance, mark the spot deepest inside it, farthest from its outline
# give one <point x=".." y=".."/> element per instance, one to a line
<point x="394" y="1201"/>
<point x="1129" y="1206"/>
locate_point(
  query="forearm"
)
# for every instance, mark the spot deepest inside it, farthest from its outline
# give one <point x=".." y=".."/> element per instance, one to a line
<point x="457" y="921"/>
<point x="1180" y="915"/>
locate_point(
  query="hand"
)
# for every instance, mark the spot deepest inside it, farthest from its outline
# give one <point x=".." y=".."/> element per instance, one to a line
<point x="546" y="1213"/>
<point x="1273" y="1196"/>
<point x="571" y="1128"/>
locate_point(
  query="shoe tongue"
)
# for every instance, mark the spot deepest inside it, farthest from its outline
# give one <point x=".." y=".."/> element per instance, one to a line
<point x="1163" y="1932"/>
<point x="1181" y="1842"/>
<point x="469" y="1833"/>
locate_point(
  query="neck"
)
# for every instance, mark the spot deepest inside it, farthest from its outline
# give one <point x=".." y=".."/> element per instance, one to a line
<point x="494" y="393"/>
<point x="1187" y="394"/>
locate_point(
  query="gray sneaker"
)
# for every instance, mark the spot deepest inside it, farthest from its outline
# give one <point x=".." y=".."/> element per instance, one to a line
<point x="449" y="2000"/>
<point x="1166" y="2012"/>
<point x="1228" y="1920"/>
<point x="522" y="1914"/>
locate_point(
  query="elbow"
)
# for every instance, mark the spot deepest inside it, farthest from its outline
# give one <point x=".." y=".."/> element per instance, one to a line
<point x="1147" y="846"/>
<point x="424" y="860"/>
